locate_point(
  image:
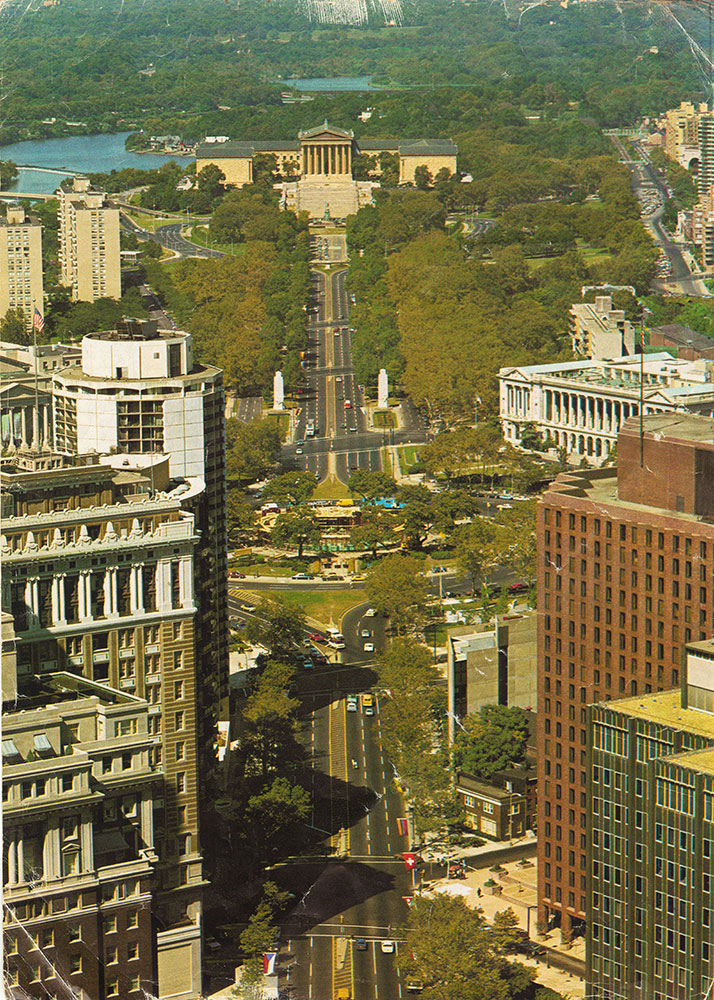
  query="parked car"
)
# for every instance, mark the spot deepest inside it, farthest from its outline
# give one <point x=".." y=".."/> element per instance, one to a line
<point x="369" y="647"/>
<point x="360" y="944"/>
<point x="387" y="947"/>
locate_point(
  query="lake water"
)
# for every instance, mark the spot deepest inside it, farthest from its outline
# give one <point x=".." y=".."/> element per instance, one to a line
<point x="332" y="83"/>
<point x="79" y="154"/>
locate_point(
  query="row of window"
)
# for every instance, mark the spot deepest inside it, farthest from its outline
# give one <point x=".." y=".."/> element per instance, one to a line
<point x="637" y="535"/>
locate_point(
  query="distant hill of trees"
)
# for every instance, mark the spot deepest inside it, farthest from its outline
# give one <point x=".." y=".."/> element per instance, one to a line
<point x="210" y="67"/>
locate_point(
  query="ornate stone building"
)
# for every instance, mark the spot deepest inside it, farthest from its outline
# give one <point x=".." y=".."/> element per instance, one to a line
<point x="318" y="166"/>
<point x="99" y="566"/>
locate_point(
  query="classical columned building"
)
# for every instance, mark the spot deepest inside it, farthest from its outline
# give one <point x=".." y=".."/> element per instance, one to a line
<point x="581" y="405"/>
<point x="317" y="166"/>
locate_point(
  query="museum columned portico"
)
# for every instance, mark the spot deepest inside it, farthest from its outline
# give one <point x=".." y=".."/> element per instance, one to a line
<point x="326" y="159"/>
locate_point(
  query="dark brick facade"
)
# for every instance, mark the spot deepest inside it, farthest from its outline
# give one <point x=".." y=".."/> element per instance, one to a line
<point x="622" y="587"/>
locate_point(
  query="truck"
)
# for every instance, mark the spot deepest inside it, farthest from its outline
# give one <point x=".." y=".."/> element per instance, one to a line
<point x="335" y="639"/>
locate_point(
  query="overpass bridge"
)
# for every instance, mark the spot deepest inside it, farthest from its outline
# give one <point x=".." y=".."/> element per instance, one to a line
<point x="29" y="195"/>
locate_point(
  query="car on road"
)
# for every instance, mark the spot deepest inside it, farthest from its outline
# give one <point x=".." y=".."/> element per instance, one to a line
<point x="365" y="633"/>
<point x="298" y="451"/>
<point x="351" y="703"/>
<point x="315" y="637"/>
<point x="370" y="612"/>
<point x="300" y="576"/>
<point x="368" y="704"/>
<point x="233" y="575"/>
<point x="308" y="665"/>
<point x="387" y="947"/>
<point x="348" y="404"/>
<point x="369" y="647"/>
<point x="517" y="588"/>
<point x="360" y="944"/>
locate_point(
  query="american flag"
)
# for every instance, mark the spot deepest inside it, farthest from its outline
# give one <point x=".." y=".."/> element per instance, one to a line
<point x="37" y="321"/>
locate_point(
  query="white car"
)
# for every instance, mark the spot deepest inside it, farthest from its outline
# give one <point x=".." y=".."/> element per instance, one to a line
<point x="365" y="633"/>
<point x="388" y="947"/>
<point x="369" y="647"/>
<point x="370" y="613"/>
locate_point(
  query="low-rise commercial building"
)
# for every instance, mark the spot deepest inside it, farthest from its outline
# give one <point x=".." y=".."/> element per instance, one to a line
<point x="496" y="666"/>
<point x="581" y="405"/>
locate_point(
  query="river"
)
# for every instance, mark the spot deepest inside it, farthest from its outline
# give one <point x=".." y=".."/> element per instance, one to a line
<point x="76" y="154"/>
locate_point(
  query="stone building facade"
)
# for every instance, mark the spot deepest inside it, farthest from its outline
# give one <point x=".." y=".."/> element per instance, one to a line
<point x="98" y="574"/>
<point x="581" y="405"/>
<point x="317" y="167"/>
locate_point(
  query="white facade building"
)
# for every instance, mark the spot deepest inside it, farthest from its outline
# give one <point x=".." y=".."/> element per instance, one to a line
<point x="139" y="391"/>
<point x="580" y="405"/>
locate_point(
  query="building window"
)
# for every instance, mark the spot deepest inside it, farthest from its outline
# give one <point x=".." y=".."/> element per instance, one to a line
<point x="181" y="781"/>
<point x="75" y="963"/>
<point x="132" y="920"/>
<point x="113" y="987"/>
<point x="132" y="951"/>
<point x="181" y="750"/>
<point x="112" y="956"/>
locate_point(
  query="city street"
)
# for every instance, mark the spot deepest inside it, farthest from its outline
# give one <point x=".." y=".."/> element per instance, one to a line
<point x="355" y="891"/>
<point x="333" y="402"/>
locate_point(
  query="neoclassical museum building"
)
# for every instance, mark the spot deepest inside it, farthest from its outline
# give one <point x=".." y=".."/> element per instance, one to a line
<point x="320" y="161"/>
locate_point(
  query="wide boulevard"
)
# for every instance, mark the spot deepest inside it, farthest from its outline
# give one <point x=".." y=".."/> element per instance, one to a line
<point x="333" y="402"/>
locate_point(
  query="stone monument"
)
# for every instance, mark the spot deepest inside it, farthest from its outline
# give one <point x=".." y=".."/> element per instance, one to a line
<point x="382" y="388"/>
<point x="278" y="391"/>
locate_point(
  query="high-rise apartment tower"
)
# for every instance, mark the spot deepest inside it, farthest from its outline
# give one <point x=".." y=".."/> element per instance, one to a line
<point x="89" y="241"/>
<point x="21" y="264"/>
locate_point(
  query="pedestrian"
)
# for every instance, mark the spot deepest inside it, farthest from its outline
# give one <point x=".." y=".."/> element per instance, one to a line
<point x="478" y="892"/>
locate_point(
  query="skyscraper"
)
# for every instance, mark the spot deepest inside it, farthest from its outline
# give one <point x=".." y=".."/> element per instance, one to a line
<point x="139" y="392"/>
<point x="625" y="564"/>
<point x="89" y="241"/>
<point x="21" y="264"/>
<point x="651" y="804"/>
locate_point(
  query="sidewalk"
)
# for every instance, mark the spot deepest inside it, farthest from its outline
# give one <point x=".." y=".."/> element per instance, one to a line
<point x="516" y="887"/>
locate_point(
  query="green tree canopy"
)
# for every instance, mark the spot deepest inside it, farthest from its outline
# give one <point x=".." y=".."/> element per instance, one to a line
<point x="396" y="587"/>
<point x="296" y="528"/>
<point x="451" y="952"/>
<point x="491" y="740"/>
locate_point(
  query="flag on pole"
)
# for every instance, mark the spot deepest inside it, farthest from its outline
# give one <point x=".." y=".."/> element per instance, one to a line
<point x="403" y="827"/>
<point x="269" y="960"/>
<point x="37" y="320"/>
<point x="409" y="860"/>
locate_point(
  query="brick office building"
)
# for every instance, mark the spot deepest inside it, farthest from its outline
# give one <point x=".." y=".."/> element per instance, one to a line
<point x="625" y="574"/>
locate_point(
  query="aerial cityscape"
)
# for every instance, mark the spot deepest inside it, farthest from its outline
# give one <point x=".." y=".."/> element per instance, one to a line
<point x="357" y="499"/>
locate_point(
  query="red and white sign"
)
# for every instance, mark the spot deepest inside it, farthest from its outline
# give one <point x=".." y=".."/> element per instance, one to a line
<point x="409" y="860"/>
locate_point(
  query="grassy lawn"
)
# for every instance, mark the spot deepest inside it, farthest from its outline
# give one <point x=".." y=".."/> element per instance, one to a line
<point x="283" y="422"/>
<point x="153" y="222"/>
<point x="324" y="605"/>
<point x="331" y="489"/>
<point x="384" y="418"/>
<point x="199" y="235"/>
<point x="408" y="457"/>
